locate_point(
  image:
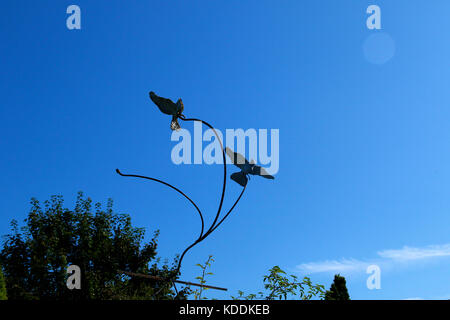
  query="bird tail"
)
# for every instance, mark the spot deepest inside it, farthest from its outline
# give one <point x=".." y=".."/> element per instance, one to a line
<point x="240" y="178"/>
<point x="174" y="125"/>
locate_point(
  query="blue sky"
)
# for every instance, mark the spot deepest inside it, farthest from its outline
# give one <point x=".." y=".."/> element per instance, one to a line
<point x="364" y="172"/>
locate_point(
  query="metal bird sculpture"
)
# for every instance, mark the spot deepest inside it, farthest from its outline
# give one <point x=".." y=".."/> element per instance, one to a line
<point x="246" y="168"/>
<point x="168" y="107"/>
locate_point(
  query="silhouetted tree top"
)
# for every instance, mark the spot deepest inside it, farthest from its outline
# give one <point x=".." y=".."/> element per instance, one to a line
<point x="338" y="289"/>
<point x="101" y="242"/>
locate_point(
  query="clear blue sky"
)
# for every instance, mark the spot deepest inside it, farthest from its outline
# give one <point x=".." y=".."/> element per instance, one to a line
<point x="364" y="147"/>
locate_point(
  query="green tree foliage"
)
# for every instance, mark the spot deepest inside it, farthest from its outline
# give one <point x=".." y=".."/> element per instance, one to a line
<point x="338" y="289"/>
<point x="279" y="286"/>
<point x="197" y="293"/>
<point x="3" y="295"/>
<point x="101" y="242"/>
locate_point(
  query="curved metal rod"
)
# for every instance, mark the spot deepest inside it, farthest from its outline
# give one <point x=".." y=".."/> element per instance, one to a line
<point x="210" y="230"/>
<point x="169" y="185"/>
<point x="224" y="165"/>
<point x="201" y="238"/>
<point x="213" y="226"/>
<point x="239" y="198"/>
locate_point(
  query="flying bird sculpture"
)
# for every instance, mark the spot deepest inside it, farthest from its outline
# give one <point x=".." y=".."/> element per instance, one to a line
<point x="167" y="106"/>
<point x="246" y="168"/>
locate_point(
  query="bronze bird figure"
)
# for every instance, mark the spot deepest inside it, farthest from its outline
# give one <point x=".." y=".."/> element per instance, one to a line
<point x="246" y="168"/>
<point x="168" y="107"/>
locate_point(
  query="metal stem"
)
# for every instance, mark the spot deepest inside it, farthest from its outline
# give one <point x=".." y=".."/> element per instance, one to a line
<point x="141" y="275"/>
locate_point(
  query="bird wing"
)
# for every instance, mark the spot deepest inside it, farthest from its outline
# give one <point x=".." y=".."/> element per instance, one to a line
<point x="237" y="159"/>
<point x="260" y="171"/>
<point x="240" y="178"/>
<point x="165" y="105"/>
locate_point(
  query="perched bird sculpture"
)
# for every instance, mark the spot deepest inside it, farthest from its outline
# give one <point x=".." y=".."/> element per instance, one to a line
<point x="168" y="107"/>
<point x="246" y="168"/>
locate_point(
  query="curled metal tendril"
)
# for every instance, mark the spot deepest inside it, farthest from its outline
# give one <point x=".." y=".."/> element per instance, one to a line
<point x="215" y="223"/>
